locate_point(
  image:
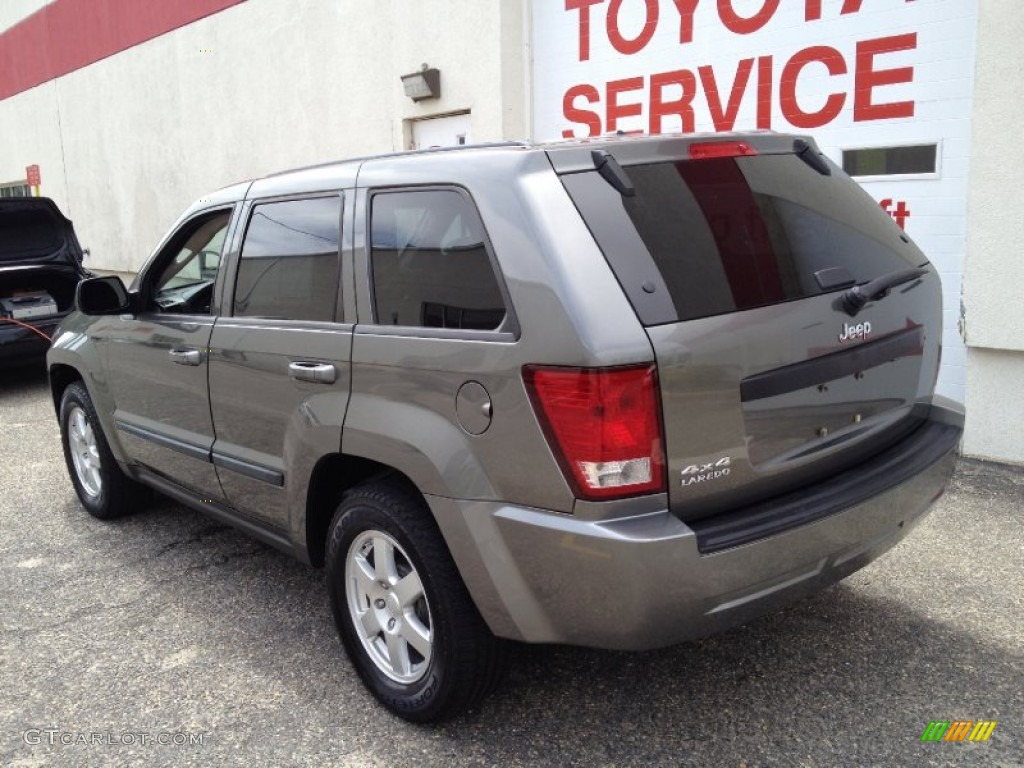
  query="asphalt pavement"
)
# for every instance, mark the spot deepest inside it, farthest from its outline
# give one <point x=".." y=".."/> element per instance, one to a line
<point x="168" y="639"/>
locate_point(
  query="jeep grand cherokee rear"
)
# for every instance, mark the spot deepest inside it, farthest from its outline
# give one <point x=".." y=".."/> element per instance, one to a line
<point x="795" y="332"/>
<point x="769" y="429"/>
<point x="738" y="258"/>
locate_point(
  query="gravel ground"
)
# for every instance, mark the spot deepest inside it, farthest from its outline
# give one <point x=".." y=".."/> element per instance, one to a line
<point x="168" y="623"/>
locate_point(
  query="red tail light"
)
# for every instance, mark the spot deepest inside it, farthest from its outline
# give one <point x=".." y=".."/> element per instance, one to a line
<point x="603" y="425"/>
<point x="708" y="149"/>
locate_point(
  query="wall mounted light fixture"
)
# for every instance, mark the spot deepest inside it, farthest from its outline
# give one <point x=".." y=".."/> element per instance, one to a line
<point x="425" y="84"/>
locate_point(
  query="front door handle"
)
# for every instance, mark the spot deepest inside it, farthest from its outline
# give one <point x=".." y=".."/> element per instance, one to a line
<point x="320" y="373"/>
<point x="186" y="356"/>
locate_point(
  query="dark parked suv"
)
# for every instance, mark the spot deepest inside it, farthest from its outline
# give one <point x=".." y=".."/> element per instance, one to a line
<point x="40" y="265"/>
<point x="617" y="393"/>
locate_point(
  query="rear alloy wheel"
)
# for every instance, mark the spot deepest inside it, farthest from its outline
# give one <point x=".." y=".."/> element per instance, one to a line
<point x="404" y="616"/>
<point x="386" y="602"/>
<point x="104" y="490"/>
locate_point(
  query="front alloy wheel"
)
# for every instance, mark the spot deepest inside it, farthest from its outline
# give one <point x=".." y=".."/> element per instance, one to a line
<point x="85" y="452"/>
<point x="104" y="490"/>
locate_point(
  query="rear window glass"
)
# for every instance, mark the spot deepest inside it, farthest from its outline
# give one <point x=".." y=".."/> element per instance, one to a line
<point x="28" y="233"/>
<point x="729" y="234"/>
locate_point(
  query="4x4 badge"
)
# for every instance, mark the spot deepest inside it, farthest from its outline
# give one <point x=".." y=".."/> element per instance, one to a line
<point x="701" y="473"/>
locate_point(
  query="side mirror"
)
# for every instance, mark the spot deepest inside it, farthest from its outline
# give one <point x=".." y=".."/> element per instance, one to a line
<point x="103" y="296"/>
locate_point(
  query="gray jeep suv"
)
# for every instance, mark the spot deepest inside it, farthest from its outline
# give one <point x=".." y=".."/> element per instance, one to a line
<point x="618" y="393"/>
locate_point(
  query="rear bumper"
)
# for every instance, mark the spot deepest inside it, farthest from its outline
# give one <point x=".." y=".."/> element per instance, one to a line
<point x="642" y="582"/>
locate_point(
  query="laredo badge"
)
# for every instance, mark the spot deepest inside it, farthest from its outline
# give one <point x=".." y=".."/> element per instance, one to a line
<point x="701" y="473"/>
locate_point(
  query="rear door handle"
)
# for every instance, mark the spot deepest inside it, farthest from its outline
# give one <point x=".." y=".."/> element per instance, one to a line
<point x="186" y="356"/>
<point x="320" y="373"/>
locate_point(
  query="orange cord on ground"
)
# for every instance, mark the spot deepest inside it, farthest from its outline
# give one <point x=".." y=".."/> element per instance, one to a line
<point x="25" y="325"/>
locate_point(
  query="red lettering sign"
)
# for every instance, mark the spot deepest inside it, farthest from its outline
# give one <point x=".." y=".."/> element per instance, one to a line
<point x="725" y="119"/>
<point x="869" y="78"/>
<point x="686" y="9"/>
<point x="746" y="25"/>
<point x="675" y="95"/>
<point x="669" y="100"/>
<point x="638" y="43"/>
<point x="617" y="111"/>
<point x="681" y="107"/>
<point x="900" y="213"/>
<point x="791" y="110"/>
<point x="583" y="6"/>
<point x="576" y="115"/>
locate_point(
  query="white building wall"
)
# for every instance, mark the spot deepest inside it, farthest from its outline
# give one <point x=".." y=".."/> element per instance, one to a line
<point x="30" y="134"/>
<point x="260" y="87"/>
<point x="13" y="11"/>
<point x="994" y="277"/>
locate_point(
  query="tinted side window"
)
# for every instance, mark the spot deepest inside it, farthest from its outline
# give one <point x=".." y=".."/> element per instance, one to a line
<point x="430" y="264"/>
<point x="288" y="269"/>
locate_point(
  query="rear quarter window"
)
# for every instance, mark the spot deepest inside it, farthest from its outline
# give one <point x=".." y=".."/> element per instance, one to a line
<point x="430" y="263"/>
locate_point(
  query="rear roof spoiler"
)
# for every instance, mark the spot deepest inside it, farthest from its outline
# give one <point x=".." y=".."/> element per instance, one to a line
<point x="582" y="156"/>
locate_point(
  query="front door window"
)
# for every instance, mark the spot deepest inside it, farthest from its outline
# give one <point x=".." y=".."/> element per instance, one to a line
<point x="185" y="285"/>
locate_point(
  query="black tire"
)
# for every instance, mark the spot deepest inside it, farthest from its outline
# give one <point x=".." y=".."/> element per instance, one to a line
<point x="117" y="494"/>
<point x="466" y="662"/>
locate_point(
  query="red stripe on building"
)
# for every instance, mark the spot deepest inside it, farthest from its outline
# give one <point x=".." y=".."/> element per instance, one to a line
<point x="70" y="34"/>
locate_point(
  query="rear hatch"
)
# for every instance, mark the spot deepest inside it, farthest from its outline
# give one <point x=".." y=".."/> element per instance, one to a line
<point x="40" y="259"/>
<point x="34" y="231"/>
<point x="739" y="255"/>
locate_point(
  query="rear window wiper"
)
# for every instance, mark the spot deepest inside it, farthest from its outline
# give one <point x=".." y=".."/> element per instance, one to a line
<point x="855" y="298"/>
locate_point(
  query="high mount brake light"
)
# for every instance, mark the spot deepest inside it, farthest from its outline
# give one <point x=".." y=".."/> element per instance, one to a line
<point x="706" y="150"/>
<point x="604" y="427"/>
